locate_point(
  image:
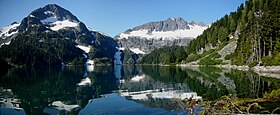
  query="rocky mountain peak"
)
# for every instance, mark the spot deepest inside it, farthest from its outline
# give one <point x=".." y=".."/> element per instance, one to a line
<point x="198" y="23"/>
<point x="51" y="17"/>
<point x="53" y="10"/>
<point x="178" y="19"/>
<point x="13" y="23"/>
<point x="52" y="22"/>
<point x="171" y="24"/>
<point x="172" y="31"/>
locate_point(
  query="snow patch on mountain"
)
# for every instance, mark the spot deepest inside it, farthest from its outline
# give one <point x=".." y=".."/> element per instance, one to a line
<point x="49" y="12"/>
<point x="193" y="32"/>
<point x="5" y="31"/>
<point x="58" y="24"/>
<point x="12" y="33"/>
<point x="62" y="24"/>
<point x="7" y="43"/>
<point x="31" y="16"/>
<point x="84" y="48"/>
<point x="136" y="51"/>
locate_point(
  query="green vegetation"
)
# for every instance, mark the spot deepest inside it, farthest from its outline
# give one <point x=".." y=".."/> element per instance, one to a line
<point x="103" y="61"/>
<point x="275" y="94"/>
<point x="210" y="88"/>
<point x="229" y="56"/>
<point x="254" y="63"/>
<point x="39" y="48"/>
<point x="165" y="55"/>
<point x="232" y="105"/>
<point x="208" y="57"/>
<point x="194" y="57"/>
<point x="256" y="26"/>
<point x="52" y="84"/>
<point x="211" y="59"/>
<point x="56" y="84"/>
<point x="164" y="73"/>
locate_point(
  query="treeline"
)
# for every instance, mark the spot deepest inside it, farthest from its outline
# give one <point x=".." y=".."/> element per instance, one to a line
<point x="40" y="48"/>
<point x="260" y="36"/>
<point x="256" y="26"/>
<point x="165" y="55"/>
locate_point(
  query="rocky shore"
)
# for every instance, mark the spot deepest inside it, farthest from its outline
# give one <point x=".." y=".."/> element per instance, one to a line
<point x="267" y="69"/>
<point x="270" y="71"/>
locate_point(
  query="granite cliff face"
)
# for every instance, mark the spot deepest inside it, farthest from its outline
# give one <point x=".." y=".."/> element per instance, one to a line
<point x="170" y="24"/>
<point x="173" y="31"/>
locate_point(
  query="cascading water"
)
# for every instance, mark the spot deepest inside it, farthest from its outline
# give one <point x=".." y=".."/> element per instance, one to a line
<point x="117" y="57"/>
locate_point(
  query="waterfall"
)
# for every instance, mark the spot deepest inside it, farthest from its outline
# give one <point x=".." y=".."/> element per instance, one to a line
<point x="117" y="57"/>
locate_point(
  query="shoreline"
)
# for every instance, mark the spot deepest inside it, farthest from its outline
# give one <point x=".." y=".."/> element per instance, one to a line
<point x="270" y="71"/>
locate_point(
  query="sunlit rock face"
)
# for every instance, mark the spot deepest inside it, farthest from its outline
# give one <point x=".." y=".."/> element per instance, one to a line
<point x="173" y="31"/>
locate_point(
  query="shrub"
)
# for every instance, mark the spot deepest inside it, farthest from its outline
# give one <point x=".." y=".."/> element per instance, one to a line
<point x="229" y="56"/>
<point x="254" y="63"/>
<point x="211" y="60"/>
<point x="192" y="57"/>
<point x="274" y="94"/>
<point x="276" y="59"/>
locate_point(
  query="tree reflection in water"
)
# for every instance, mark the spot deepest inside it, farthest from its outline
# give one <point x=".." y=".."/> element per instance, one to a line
<point x="43" y="89"/>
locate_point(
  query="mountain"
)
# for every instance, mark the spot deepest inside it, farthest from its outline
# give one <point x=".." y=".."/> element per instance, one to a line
<point x="249" y="36"/>
<point x="173" y="31"/>
<point x="71" y="40"/>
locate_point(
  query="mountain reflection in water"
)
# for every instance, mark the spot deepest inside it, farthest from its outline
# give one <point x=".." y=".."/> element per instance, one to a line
<point x="122" y="89"/>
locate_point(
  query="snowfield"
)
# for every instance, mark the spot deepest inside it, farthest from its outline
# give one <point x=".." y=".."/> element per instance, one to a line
<point x="48" y="12"/>
<point x="57" y="24"/>
<point x="193" y="32"/>
<point x="63" y="24"/>
<point x="136" y="51"/>
<point x="84" y="48"/>
<point x="5" y="30"/>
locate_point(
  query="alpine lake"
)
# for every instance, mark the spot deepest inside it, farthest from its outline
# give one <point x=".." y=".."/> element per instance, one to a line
<point x="122" y="89"/>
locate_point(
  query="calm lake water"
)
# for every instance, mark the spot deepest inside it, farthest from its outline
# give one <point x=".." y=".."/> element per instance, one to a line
<point x="121" y="89"/>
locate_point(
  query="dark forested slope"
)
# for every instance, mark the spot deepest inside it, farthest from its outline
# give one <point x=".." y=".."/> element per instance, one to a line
<point x="256" y="28"/>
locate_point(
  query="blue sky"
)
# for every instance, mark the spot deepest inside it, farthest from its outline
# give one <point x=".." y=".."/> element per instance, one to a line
<point x="115" y="16"/>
